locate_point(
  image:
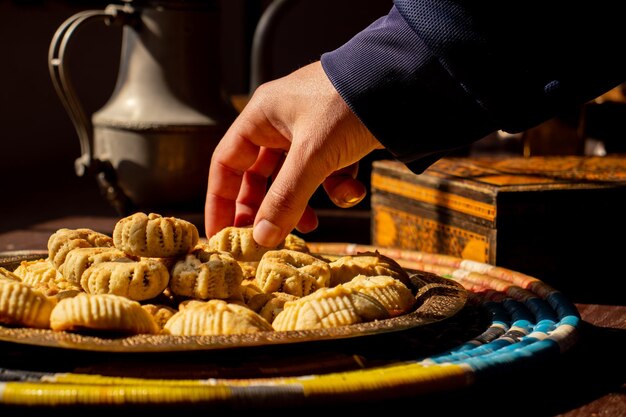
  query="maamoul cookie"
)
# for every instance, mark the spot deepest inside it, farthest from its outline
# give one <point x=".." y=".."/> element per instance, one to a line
<point x="105" y="312"/>
<point x="7" y="275"/>
<point x="238" y="241"/>
<point x="64" y="240"/>
<point x="154" y="236"/>
<point x="219" y="276"/>
<point x="295" y="242"/>
<point x="274" y="305"/>
<point x="37" y="273"/>
<point x="329" y="307"/>
<point x="216" y="317"/>
<point x="396" y="297"/>
<point x="292" y="272"/>
<point x="23" y="306"/>
<point x="136" y="280"/>
<point x="160" y="313"/>
<point x="78" y="260"/>
<point x="347" y="267"/>
<point x="42" y="276"/>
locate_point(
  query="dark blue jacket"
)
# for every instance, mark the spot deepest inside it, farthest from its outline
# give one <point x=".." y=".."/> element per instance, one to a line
<point x="434" y="75"/>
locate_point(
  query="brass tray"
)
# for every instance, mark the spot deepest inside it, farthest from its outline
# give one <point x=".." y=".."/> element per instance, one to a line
<point x="438" y="298"/>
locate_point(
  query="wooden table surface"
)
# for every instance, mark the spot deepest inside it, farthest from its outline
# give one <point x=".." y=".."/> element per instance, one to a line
<point x="587" y="380"/>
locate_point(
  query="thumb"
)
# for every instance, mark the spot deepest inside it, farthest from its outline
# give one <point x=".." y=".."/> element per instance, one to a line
<point x="286" y="200"/>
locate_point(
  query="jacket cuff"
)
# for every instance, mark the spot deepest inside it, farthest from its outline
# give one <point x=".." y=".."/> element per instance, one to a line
<point x="403" y="95"/>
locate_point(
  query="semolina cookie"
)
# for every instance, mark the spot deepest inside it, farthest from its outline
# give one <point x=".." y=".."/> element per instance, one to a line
<point x="253" y="297"/>
<point x="248" y="269"/>
<point x="219" y="276"/>
<point x="291" y="272"/>
<point x="104" y="312"/>
<point x="7" y="275"/>
<point x="215" y="317"/>
<point x="37" y="273"/>
<point x="347" y="267"/>
<point x="274" y="305"/>
<point x="396" y="297"/>
<point x="329" y="307"/>
<point x="238" y="241"/>
<point x="23" y="306"/>
<point x="295" y="242"/>
<point x="154" y="236"/>
<point x="64" y="240"/>
<point x="136" y="280"/>
<point x="42" y="276"/>
<point x="160" y="313"/>
<point x="78" y="260"/>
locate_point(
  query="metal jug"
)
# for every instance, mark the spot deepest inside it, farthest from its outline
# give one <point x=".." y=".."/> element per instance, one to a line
<point x="150" y="146"/>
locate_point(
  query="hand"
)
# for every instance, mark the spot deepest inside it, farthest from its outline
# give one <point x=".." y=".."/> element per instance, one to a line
<point x="298" y="131"/>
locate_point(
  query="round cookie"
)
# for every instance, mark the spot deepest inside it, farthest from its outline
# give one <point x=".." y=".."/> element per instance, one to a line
<point x="61" y="242"/>
<point x="347" y="267"/>
<point x="154" y="236"/>
<point x="216" y="275"/>
<point x="291" y="272"/>
<point x="136" y="280"/>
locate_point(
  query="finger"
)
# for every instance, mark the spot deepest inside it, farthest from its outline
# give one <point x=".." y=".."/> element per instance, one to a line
<point x="344" y="191"/>
<point x="308" y="222"/>
<point x="254" y="185"/>
<point x="287" y="198"/>
<point x="342" y="187"/>
<point x="237" y="152"/>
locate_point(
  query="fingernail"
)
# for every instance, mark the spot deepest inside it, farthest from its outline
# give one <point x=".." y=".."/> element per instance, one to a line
<point x="266" y="234"/>
<point x="349" y="200"/>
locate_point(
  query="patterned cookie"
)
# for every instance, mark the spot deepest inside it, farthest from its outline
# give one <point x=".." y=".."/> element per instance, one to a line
<point x="23" y="306"/>
<point x="295" y="242"/>
<point x="42" y="276"/>
<point x="216" y="317"/>
<point x="7" y="275"/>
<point x="153" y="236"/>
<point x="292" y="272"/>
<point x="219" y="276"/>
<point x="392" y="294"/>
<point x="137" y="280"/>
<point x="274" y="305"/>
<point x="248" y="269"/>
<point x="78" y="260"/>
<point x="64" y="240"/>
<point x="105" y="312"/>
<point x="253" y="297"/>
<point x="329" y="307"/>
<point x="366" y="263"/>
<point x="160" y="313"/>
<point x="238" y="241"/>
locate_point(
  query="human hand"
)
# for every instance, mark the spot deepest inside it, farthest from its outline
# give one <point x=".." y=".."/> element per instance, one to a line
<point x="298" y="131"/>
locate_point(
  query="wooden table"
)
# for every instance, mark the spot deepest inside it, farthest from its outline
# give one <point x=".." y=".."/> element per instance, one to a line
<point x="589" y="378"/>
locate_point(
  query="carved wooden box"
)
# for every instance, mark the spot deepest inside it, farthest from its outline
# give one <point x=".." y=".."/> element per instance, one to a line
<point x="556" y="218"/>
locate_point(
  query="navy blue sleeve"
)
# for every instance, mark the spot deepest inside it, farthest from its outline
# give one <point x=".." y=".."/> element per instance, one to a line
<point x="434" y="75"/>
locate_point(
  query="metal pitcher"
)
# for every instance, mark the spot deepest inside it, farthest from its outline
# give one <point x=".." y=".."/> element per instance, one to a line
<point x="150" y="145"/>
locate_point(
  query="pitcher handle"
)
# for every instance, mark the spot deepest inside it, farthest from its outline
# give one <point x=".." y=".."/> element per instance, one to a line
<point x="57" y="58"/>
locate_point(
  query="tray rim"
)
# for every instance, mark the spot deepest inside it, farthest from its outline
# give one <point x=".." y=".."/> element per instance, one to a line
<point x="171" y="343"/>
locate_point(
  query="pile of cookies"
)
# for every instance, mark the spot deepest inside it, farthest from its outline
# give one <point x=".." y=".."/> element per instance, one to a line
<point x="156" y="276"/>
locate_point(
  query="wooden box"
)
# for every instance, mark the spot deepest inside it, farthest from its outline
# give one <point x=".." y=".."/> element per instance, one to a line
<point x="560" y="219"/>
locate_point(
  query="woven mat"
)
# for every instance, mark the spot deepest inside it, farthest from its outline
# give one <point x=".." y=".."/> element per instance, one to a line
<point x="527" y="321"/>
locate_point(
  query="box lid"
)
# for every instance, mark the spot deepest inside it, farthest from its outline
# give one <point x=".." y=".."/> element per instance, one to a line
<point x="473" y="186"/>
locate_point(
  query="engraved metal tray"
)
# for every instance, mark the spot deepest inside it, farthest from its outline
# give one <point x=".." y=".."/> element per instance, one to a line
<point x="438" y="298"/>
